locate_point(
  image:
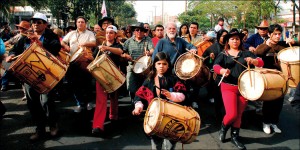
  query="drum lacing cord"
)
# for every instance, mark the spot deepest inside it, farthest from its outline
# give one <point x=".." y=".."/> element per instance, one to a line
<point x="47" y="69"/>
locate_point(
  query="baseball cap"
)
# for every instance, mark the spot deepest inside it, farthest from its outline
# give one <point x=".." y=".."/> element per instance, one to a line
<point x="39" y="16"/>
<point x="112" y="27"/>
<point x="211" y="34"/>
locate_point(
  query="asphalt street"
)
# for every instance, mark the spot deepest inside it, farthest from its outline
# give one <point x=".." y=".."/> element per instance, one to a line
<point x="75" y="128"/>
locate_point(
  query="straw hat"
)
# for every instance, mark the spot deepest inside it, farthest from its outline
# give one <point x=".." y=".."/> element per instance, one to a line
<point x="263" y="24"/>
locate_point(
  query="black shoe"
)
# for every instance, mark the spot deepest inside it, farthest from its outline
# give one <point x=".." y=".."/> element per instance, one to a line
<point x="37" y="136"/>
<point x="222" y="132"/>
<point x="235" y="138"/>
<point x="99" y="133"/>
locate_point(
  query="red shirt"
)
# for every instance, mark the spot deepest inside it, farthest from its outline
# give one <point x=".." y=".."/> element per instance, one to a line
<point x="155" y="41"/>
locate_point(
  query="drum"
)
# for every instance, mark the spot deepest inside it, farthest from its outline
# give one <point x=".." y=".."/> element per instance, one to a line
<point x="106" y="73"/>
<point x="190" y="67"/>
<point x="290" y="64"/>
<point x="64" y="57"/>
<point x="142" y="65"/>
<point x="171" y="121"/>
<point x="82" y="57"/>
<point x="38" y="68"/>
<point x="201" y="47"/>
<point x="266" y="85"/>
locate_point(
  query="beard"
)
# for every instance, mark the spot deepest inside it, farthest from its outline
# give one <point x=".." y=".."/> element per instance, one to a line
<point x="171" y="35"/>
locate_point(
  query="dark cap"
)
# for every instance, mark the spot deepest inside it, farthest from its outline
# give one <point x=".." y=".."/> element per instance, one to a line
<point x="231" y="33"/>
<point x="139" y="25"/>
<point x="100" y="22"/>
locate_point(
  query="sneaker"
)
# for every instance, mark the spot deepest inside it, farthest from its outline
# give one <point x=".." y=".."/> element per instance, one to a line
<point x="266" y="128"/>
<point x="89" y="106"/>
<point x="211" y="100"/>
<point x="195" y="105"/>
<point x="275" y="128"/>
<point x="78" y="109"/>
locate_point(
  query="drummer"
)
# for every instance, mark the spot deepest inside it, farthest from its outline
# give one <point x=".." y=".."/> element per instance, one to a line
<point x="41" y="106"/>
<point x="160" y="83"/>
<point x="229" y="64"/>
<point x="271" y="109"/>
<point x="113" y="50"/>
<point x="136" y="46"/>
<point x="78" y="78"/>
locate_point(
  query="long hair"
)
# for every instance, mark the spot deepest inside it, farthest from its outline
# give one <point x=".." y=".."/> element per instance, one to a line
<point x="187" y="31"/>
<point x="219" y="34"/>
<point x="160" y="56"/>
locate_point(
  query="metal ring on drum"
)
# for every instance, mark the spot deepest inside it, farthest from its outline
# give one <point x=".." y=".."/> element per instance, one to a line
<point x="142" y="65"/>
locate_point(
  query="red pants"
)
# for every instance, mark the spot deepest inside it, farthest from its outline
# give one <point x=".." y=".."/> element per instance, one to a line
<point x="234" y="103"/>
<point x="101" y="107"/>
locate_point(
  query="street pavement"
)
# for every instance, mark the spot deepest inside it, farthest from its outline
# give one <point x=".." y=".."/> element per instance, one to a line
<point x="75" y="128"/>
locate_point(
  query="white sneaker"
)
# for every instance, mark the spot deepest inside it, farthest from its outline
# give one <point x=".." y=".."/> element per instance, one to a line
<point x="77" y="109"/>
<point x="89" y="106"/>
<point x="266" y="128"/>
<point x="275" y="128"/>
<point x="212" y="100"/>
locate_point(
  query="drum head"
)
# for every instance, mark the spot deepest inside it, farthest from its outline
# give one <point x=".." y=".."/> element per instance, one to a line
<point x="75" y="55"/>
<point x="187" y="66"/>
<point x="251" y="91"/>
<point x="291" y="54"/>
<point x="141" y="64"/>
<point x="152" y="115"/>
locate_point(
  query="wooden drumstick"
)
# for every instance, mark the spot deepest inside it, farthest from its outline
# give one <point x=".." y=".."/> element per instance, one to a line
<point x="222" y="78"/>
<point x="249" y="74"/>
<point x="14" y="58"/>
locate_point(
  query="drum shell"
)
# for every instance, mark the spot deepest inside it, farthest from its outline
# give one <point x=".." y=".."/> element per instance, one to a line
<point x="83" y="59"/>
<point x="38" y="68"/>
<point x="64" y="57"/>
<point x="291" y="69"/>
<point x="201" y="47"/>
<point x="106" y="73"/>
<point x="267" y="84"/>
<point x="199" y="76"/>
<point x="184" y="117"/>
<point x="146" y="71"/>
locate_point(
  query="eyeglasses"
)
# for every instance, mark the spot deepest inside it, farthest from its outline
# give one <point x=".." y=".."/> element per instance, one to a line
<point x="263" y="28"/>
<point x="37" y="22"/>
<point x="137" y="30"/>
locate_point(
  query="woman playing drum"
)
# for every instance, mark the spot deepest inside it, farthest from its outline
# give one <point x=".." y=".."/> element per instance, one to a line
<point x="230" y="63"/>
<point x="160" y="83"/>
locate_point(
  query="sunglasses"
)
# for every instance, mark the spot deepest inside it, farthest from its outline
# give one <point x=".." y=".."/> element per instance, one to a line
<point x="263" y="28"/>
<point x="37" y="22"/>
<point x="137" y="30"/>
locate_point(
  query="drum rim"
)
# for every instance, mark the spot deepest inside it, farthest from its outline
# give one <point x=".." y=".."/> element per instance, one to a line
<point x="136" y="60"/>
<point x="176" y="67"/>
<point x="157" y="119"/>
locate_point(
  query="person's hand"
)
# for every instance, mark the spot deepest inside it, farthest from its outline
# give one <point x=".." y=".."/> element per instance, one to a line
<point x="252" y="49"/>
<point x="103" y="48"/>
<point x="226" y="71"/>
<point x="251" y="60"/>
<point x="166" y="93"/>
<point x="290" y="40"/>
<point x="9" y="58"/>
<point x="127" y="57"/>
<point x="193" y="51"/>
<point x="32" y="36"/>
<point x="137" y="111"/>
<point x="147" y="53"/>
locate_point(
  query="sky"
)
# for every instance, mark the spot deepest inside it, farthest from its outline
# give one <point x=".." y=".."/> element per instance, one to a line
<point x="145" y="9"/>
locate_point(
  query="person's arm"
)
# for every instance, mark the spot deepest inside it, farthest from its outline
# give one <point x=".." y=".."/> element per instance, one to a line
<point x="64" y="43"/>
<point x="250" y="42"/>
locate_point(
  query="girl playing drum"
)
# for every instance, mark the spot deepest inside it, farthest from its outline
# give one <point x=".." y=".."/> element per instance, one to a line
<point x="160" y="83"/>
<point x="230" y="63"/>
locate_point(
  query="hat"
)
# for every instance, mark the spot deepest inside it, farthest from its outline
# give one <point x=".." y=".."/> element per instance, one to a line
<point x="139" y="25"/>
<point x="211" y="34"/>
<point x="111" y="27"/>
<point x="231" y="33"/>
<point x="24" y="24"/>
<point x="263" y="24"/>
<point x="100" y="22"/>
<point x="39" y="16"/>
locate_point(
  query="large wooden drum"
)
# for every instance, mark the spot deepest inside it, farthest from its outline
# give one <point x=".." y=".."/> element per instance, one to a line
<point x="266" y="85"/>
<point x="171" y="121"/>
<point x="38" y="68"/>
<point x="290" y="64"/>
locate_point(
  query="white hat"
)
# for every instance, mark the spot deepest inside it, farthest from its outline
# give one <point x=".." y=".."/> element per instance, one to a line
<point x="39" y="16"/>
<point x="211" y="34"/>
<point x="111" y="27"/>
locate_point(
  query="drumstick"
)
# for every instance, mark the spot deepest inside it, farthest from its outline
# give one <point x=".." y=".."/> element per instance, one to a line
<point x="198" y="55"/>
<point x="14" y="58"/>
<point x="249" y="74"/>
<point x="222" y="78"/>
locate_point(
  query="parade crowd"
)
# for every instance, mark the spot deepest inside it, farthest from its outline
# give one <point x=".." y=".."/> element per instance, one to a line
<point x="224" y="54"/>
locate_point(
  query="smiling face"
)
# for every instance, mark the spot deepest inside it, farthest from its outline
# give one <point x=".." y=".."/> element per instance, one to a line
<point x="161" y="66"/>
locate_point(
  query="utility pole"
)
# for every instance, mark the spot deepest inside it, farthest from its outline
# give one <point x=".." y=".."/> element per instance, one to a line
<point x="185" y="7"/>
<point x="162" y="12"/>
<point x="154" y="14"/>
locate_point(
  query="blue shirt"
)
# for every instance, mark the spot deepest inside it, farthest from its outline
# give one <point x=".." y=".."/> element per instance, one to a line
<point x="254" y="41"/>
<point x="174" y="50"/>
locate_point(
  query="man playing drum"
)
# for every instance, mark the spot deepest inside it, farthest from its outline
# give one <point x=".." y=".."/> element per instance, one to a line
<point x="136" y="46"/>
<point x="78" y="77"/>
<point x="41" y="106"/>
<point x="271" y="109"/>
